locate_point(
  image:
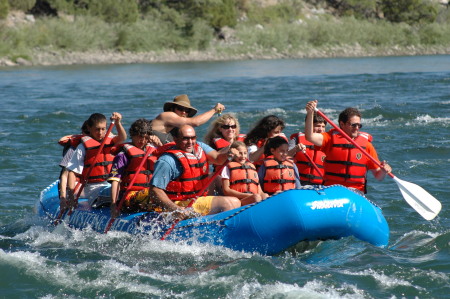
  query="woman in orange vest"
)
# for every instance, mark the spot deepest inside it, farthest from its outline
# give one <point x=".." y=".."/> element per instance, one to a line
<point x="128" y="158"/>
<point x="239" y="177"/>
<point x="223" y="131"/>
<point x="266" y="128"/>
<point x="278" y="172"/>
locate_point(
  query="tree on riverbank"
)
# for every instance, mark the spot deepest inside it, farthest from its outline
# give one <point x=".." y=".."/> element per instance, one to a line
<point x="224" y="29"/>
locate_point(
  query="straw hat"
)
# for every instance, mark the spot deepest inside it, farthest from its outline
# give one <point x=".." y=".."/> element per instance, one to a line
<point x="181" y="100"/>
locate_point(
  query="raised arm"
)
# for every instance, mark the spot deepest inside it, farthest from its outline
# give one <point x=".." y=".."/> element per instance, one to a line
<point x="171" y="119"/>
<point x="315" y="138"/>
<point x="121" y="133"/>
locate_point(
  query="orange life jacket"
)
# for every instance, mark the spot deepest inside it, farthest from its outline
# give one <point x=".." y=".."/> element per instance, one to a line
<point x="194" y="175"/>
<point x="220" y="143"/>
<point x="308" y="173"/>
<point x="345" y="164"/>
<point x="135" y="156"/>
<point x="279" y="176"/>
<point x="103" y="162"/>
<point x="243" y="177"/>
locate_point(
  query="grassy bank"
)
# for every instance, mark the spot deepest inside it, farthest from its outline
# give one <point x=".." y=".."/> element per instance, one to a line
<point x="158" y="38"/>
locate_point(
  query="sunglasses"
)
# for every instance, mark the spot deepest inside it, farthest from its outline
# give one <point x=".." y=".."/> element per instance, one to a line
<point x="186" y="138"/>
<point x="226" y="127"/>
<point x="355" y="125"/>
<point x="182" y="109"/>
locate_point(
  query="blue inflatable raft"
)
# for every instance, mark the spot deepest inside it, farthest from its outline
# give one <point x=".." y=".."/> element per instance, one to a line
<point x="268" y="227"/>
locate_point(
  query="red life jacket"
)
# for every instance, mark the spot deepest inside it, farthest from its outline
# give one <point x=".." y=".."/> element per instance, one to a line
<point x="279" y="176"/>
<point x="220" y="143"/>
<point x="308" y="173"/>
<point x="135" y="156"/>
<point x="194" y="175"/>
<point x="103" y="162"/>
<point x="243" y="177"/>
<point x="345" y="164"/>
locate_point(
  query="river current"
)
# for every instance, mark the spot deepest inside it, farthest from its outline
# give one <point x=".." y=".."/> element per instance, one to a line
<point x="405" y="103"/>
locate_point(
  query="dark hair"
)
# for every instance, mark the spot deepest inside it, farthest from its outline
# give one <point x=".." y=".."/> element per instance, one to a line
<point x="262" y="128"/>
<point x="141" y="127"/>
<point x="94" y="119"/>
<point x="274" y="143"/>
<point x="348" y="113"/>
<point x="318" y="119"/>
<point x="84" y="128"/>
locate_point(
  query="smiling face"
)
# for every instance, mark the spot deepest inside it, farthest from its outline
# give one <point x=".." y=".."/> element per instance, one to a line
<point x="352" y="126"/>
<point x="240" y="154"/>
<point x="228" y="130"/>
<point x="186" y="139"/>
<point x="280" y="153"/>
<point x="98" y="130"/>
<point x="319" y="127"/>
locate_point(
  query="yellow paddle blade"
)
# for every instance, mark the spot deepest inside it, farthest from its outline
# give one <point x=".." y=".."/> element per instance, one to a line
<point x="419" y="199"/>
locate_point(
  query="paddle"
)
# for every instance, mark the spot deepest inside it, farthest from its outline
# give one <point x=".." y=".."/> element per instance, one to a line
<point x="312" y="163"/>
<point x="84" y="179"/>
<point x="119" y="206"/>
<point x="211" y="179"/>
<point x="419" y="199"/>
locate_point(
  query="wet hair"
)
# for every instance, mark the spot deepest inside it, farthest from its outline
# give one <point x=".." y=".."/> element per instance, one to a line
<point x="141" y="127"/>
<point x="214" y="128"/>
<point x="318" y="119"/>
<point x="348" y="113"/>
<point x="237" y="144"/>
<point x="85" y="128"/>
<point x="94" y="119"/>
<point x="262" y="128"/>
<point x="274" y="143"/>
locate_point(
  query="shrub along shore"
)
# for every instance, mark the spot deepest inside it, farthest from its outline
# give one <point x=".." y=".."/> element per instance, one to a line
<point x="166" y="35"/>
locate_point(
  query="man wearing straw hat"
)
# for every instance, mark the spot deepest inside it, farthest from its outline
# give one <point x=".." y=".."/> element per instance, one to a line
<point x="177" y="113"/>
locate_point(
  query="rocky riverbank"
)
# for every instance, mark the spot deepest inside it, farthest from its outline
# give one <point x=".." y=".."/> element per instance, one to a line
<point x="53" y="58"/>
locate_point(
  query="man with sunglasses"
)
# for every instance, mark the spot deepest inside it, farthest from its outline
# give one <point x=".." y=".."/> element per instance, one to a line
<point x="182" y="171"/>
<point x="344" y="163"/>
<point x="177" y="113"/>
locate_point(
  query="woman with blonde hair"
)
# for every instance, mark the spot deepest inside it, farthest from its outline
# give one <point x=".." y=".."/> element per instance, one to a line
<point x="223" y="131"/>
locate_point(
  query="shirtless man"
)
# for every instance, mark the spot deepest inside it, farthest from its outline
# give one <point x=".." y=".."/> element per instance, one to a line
<point x="177" y="113"/>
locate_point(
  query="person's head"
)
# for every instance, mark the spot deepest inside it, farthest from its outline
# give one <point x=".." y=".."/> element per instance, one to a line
<point x="319" y="123"/>
<point x="185" y="138"/>
<point x="140" y="132"/>
<point x="268" y="127"/>
<point x="181" y="105"/>
<point x="225" y="126"/>
<point x="350" y="121"/>
<point x="278" y="147"/>
<point x="96" y="125"/>
<point x="239" y="150"/>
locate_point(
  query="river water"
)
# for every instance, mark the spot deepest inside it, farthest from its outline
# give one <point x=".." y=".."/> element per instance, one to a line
<point x="406" y="107"/>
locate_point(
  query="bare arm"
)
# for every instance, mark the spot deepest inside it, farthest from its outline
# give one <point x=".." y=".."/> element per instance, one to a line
<point x="171" y="119"/>
<point x="315" y="138"/>
<point x="255" y="156"/>
<point x="219" y="157"/>
<point x="230" y="192"/>
<point x="121" y="133"/>
<point x="380" y="173"/>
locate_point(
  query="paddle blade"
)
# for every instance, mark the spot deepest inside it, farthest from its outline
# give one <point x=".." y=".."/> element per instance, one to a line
<point x="419" y="199"/>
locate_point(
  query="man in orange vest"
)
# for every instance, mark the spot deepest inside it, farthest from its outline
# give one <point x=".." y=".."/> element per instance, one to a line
<point x="344" y="163"/>
<point x="182" y="171"/>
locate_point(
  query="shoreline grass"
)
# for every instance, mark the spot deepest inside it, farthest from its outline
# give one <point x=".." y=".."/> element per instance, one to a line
<point x="51" y="41"/>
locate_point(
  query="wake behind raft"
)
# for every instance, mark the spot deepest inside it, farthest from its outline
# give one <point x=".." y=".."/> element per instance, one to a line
<point x="268" y="227"/>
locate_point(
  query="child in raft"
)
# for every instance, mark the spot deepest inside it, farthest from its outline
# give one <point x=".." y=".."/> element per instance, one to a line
<point x="128" y="158"/>
<point x="239" y="177"/>
<point x="278" y="172"/>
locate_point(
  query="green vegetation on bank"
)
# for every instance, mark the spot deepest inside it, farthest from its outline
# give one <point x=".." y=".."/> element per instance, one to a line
<point x="226" y="27"/>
